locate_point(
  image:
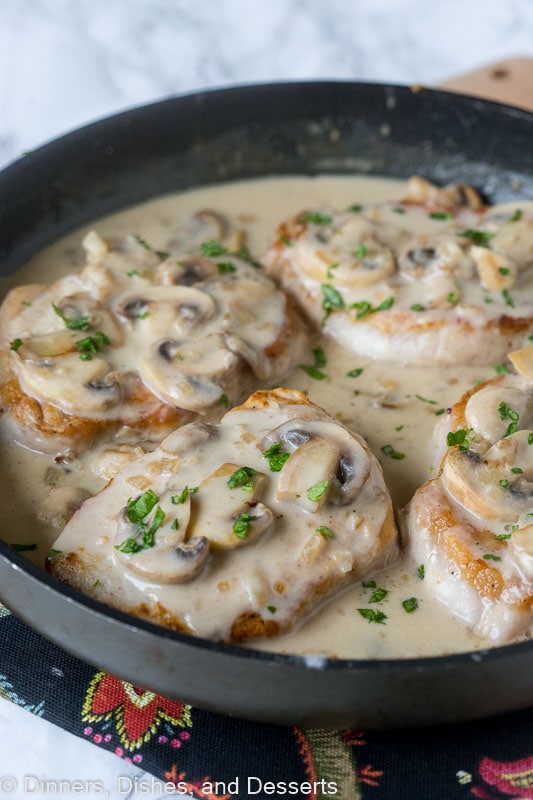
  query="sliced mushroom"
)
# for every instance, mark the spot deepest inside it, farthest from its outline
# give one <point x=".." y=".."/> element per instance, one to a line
<point x="192" y="375"/>
<point x="423" y="192"/>
<point x="497" y="485"/>
<point x="514" y="239"/>
<point x="76" y="309"/>
<point x="430" y="253"/>
<point x="166" y="311"/>
<point x="496" y="271"/>
<point x="231" y="517"/>
<point x="110" y="461"/>
<point x="346" y="473"/>
<point x="307" y="475"/>
<point x="351" y="255"/>
<point x="187" y="270"/>
<point x="72" y="384"/>
<point x="95" y="247"/>
<point x="492" y="409"/>
<point x="255" y="357"/>
<point x="522" y="361"/>
<point x="171" y="559"/>
<point x="189" y="438"/>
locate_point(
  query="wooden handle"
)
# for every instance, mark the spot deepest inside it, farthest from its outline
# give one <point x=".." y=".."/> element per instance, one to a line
<point x="508" y="82"/>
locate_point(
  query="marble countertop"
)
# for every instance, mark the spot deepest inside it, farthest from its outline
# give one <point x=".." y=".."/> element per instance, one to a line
<point x="64" y="63"/>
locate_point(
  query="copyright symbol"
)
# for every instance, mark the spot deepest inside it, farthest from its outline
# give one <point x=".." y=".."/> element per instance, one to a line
<point x="8" y="784"/>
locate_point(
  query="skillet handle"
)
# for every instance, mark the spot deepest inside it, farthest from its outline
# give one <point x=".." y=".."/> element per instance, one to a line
<point x="509" y="81"/>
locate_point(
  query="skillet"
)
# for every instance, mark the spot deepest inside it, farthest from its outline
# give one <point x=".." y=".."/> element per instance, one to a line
<point x="246" y="132"/>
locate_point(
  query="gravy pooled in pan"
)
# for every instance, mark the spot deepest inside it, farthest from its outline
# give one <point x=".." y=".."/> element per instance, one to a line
<point x="393" y="611"/>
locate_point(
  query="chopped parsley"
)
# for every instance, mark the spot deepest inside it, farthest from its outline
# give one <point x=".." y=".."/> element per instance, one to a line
<point x="175" y="524"/>
<point x="378" y="595"/>
<point x="372" y="615"/>
<point x="364" y="308"/>
<point x="75" y="323"/>
<point x="458" y="439"/>
<point x="315" y="218"/>
<point x="516" y="216"/>
<point x="331" y="299"/>
<point x="91" y="345"/>
<point x="317" y="491"/>
<point x="224" y="400"/>
<point x="212" y="248"/>
<point x="329" y="271"/>
<point x="491" y="557"/>
<point x="418" y="307"/>
<point x="15" y="344"/>
<point x="421" y="572"/>
<point x="354" y="373"/>
<point x="425" y="400"/>
<point x="500" y="369"/>
<point x="162" y="254"/>
<point x="241" y="524"/>
<point x="478" y="237"/>
<point x="504" y="483"/>
<point x="226" y="266"/>
<point x="272" y="609"/>
<point x="453" y="298"/>
<point x="315" y="370"/>
<point x="53" y="553"/>
<point x="355" y="209"/>
<point x="325" y="532"/>
<point x="275" y="458"/>
<point x="442" y="215"/>
<point x="361" y="251"/>
<point x="137" y="510"/>
<point x="389" y="450"/>
<point x="503" y="536"/>
<point x="178" y="499"/>
<point x="410" y="605"/>
<point x="504" y="270"/>
<point x="241" y="479"/>
<point x="507" y="298"/>
<point x="506" y="412"/>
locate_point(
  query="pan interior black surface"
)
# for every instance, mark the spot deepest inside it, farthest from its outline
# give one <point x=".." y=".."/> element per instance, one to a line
<point x="246" y="132"/>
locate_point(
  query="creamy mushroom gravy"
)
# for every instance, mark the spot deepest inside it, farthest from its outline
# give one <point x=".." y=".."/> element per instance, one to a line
<point x="392" y="407"/>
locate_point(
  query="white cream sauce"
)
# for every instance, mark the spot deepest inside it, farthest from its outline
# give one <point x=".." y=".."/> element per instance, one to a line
<point x="387" y="405"/>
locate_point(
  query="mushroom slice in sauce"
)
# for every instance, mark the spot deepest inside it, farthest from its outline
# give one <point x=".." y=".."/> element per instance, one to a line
<point x="188" y="374"/>
<point x="168" y="557"/>
<point x="231" y="515"/>
<point x="203" y="226"/>
<point x="164" y="310"/>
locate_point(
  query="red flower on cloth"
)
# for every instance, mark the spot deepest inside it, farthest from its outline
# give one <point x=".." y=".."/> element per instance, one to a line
<point x="512" y="778"/>
<point x="137" y="713"/>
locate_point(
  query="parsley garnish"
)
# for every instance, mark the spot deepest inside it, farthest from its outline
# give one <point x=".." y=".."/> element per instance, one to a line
<point x="224" y="400"/>
<point x="275" y="458"/>
<point x="458" y="439"/>
<point x="315" y="218"/>
<point x="418" y="307"/>
<point x="212" y="248"/>
<point x="516" y="216"/>
<point x="500" y="369"/>
<point x="241" y="479"/>
<point x="411" y="604"/>
<point x="478" y="237"/>
<point x="73" y="324"/>
<point x="506" y="412"/>
<point x="361" y="251"/>
<point x="354" y="373"/>
<point x="421" y="572"/>
<point x="15" y="344"/>
<point x="441" y="215"/>
<point x="162" y="254"/>
<point x="137" y="511"/>
<point x="371" y="615"/>
<point x="226" y="266"/>
<point x="240" y="526"/>
<point x="178" y="499"/>
<point x="92" y="345"/>
<point x="507" y="297"/>
<point x="317" y="491"/>
<point x="325" y="532"/>
<point x="314" y="370"/>
<point x="364" y="308"/>
<point x="453" y="298"/>
<point x="389" y="450"/>
<point x="53" y="553"/>
<point x="378" y="595"/>
<point x="491" y="557"/>
<point x="331" y="299"/>
<point x="272" y="609"/>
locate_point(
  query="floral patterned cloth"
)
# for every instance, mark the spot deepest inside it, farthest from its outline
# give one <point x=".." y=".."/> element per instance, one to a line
<point x="213" y="756"/>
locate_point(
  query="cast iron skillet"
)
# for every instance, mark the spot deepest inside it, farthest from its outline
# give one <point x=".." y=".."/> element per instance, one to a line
<point x="245" y="132"/>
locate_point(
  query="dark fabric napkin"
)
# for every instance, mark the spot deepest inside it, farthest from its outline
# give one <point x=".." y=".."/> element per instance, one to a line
<point x="214" y="756"/>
